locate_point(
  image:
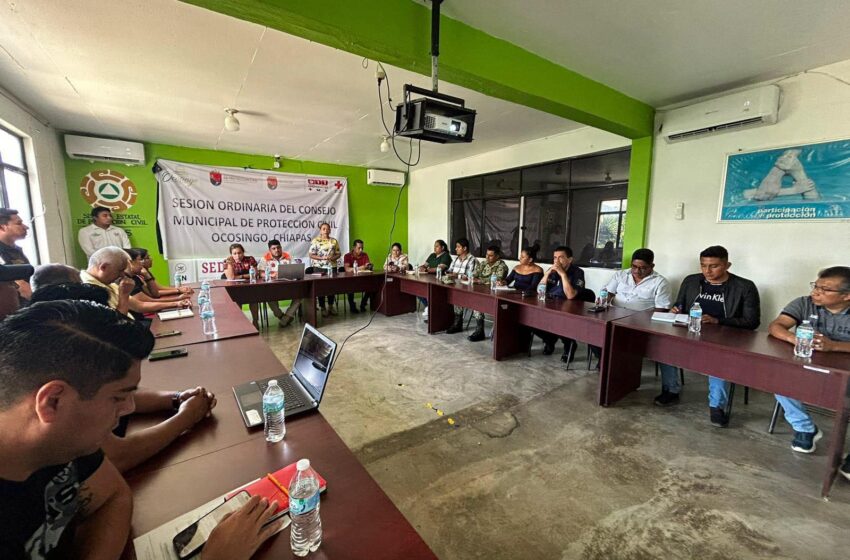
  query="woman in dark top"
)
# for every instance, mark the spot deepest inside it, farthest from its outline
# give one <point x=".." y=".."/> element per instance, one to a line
<point x="238" y="267"/>
<point x="526" y="275"/>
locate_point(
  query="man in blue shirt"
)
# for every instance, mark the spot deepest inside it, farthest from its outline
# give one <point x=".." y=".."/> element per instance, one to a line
<point x="563" y="280"/>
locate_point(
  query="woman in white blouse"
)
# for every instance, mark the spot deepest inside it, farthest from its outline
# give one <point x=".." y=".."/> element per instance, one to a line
<point x="396" y="260"/>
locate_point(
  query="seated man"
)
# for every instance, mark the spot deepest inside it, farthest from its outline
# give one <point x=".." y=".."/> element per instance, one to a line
<point x="828" y="310"/>
<point x="563" y="280"/>
<point x="492" y="265"/>
<point x="275" y="257"/>
<point x="725" y="299"/>
<point x="54" y="273"/>
<point x="59" y="496"/>
<point x="462" y="268"/>
<point x="107" y="269"/>
<point x="361" y="258"/>
<point x="187" y="407"/>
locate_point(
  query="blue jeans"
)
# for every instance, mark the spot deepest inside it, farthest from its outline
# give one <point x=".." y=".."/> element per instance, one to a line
<point x="718" y="392"/>
<point x="796" y="415"/>
<point x="670" y="378"/>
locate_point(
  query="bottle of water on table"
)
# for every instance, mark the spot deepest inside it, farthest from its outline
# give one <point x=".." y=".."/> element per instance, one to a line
<point x="493" y="279"/>
<point x="178" y="280"/>
<point x="205" y="287"/>
<point x="805" y="340"/>
<point x="355" y="267"/>
<point x="541" y="292"/>
<point x="306" y="534"/>
<point x="273" y="406"/>
<point x="252" y="274"/>
<point x="603" y="298"/>
<point x="695" y="318"/>
<point x="207" y="317"/>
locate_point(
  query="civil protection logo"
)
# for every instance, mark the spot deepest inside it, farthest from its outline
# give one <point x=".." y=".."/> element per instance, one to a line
<point x="215" y="178"/>
<point x="108" y="188"/>
<point x="271" y="183"/>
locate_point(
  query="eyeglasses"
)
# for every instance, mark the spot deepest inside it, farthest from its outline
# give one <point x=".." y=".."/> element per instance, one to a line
<point x="821" y="289"/>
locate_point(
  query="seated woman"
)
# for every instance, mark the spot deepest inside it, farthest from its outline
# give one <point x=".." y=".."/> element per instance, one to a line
<point x="439" y="259"/>
<point x="150" y="286"/>
<point x="526" y="275"/>
<point x="237" y="266"/>
<point x="396" y="260"/>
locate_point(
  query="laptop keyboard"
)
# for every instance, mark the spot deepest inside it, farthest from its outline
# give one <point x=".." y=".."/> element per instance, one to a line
<point x="292" y="398"/>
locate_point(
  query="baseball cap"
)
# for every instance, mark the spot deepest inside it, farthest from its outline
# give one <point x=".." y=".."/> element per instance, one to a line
<point x="12" y="272"/>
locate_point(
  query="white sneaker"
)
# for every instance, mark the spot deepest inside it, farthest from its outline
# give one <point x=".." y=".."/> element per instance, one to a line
<point x="425" y="313"/>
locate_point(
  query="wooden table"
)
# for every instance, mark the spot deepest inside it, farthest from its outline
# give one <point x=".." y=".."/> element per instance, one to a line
<point x="229" y="320"/>
<point x="750" y="358"/>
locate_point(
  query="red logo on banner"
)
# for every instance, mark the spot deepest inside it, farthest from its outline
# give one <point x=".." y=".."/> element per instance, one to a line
<point x="319" y="182"/>
<point x="338" y="185"/>
<point x="271" y="183"/>
<point x="215" y="178"/>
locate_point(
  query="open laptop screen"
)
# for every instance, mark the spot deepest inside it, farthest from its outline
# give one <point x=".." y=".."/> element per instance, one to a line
<point x="313" y="361"/>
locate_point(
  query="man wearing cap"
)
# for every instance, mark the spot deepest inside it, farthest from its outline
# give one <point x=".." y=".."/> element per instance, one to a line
<point x="12" y="229"/>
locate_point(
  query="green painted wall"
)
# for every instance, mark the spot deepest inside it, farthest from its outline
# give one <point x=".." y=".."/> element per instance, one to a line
<point x="640" y="166"/>
<point x="370" y="207"/>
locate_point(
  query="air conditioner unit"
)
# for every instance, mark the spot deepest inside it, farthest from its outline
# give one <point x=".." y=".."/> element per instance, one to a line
<point x="754" y="107"/>
<point x="385" y="177"/>
<point x="104" y="149"/>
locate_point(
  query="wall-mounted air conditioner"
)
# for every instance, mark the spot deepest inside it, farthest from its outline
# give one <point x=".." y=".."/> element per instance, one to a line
<point x="104" y="149"/>
<point x="385" y="178"/>
<point x="746" y="109"/>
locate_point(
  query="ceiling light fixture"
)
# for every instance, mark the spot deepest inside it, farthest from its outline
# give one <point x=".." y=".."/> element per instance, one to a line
<point x="231" y="123"/>
<point x="385" y="145"/>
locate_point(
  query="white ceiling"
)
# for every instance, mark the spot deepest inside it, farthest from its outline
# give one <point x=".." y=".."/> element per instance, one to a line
<point x="163" y="71"/>
<point x="665" y="51"/>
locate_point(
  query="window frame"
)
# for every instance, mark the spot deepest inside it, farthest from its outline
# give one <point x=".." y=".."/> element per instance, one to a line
<point x="24" y="173"/>
<point x="621" y="218"/>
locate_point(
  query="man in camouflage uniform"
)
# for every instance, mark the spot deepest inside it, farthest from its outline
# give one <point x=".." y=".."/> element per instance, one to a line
<point x="484" y="272"/>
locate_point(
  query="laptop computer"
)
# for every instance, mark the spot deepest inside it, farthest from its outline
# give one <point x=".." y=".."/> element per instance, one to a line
<point x="303" y="387"/>
<point x="290" y="271"/>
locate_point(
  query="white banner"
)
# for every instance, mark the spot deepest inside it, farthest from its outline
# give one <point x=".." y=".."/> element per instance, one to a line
<point x="202" y="210"/>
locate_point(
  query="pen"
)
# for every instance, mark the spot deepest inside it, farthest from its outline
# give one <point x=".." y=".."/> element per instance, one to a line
<point x="280" y="487"/>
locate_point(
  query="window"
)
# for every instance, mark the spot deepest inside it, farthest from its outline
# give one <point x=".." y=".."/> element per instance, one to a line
<point x="14" y="187"/>
<point x="543" y="206"/>
<point x="609" y="230"/>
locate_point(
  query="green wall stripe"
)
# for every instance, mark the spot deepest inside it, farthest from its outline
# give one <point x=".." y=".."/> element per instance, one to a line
<point x="640" y="171"/>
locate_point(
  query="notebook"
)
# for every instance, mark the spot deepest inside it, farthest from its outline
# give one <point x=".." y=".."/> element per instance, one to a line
<point x="303" y="387"/>
<point x="175" y="314"/>
<point x="267" y="487"/>
<point x="675" y="318"/>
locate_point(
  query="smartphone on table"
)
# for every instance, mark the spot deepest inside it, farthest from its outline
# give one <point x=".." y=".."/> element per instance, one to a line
<point x="164" y="334"/>
<point x="170" y="353"/>
<point x="192" y="539"/>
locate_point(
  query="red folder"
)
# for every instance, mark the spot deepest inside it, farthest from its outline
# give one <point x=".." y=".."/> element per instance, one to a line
<point x="267" y="488"/>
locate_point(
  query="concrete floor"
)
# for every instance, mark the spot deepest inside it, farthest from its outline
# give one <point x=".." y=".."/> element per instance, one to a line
<point x="532" y="468"/>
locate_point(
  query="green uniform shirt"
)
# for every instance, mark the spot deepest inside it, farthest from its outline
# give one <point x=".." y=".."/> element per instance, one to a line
<point x="485" y="270"/>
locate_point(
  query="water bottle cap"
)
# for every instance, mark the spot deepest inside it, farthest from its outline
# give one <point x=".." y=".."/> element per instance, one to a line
<point x="272" y="382"/>
<point x="303" y="464"/>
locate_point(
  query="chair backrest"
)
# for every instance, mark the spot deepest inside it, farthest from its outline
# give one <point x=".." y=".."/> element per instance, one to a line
<point x="586" y="294"/>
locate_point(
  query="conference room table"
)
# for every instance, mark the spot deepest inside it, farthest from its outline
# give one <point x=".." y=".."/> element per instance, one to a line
<point x="220" y="454"/>
<point x="750" y="358"/>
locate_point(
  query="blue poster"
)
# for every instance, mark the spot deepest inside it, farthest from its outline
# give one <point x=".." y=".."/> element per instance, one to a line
<point x="806" y="182"/>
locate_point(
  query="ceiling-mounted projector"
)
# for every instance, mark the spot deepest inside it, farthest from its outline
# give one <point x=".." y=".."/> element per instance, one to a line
<point x="434" y="117"/>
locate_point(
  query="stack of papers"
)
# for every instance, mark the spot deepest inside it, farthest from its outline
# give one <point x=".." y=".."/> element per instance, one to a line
<point x="676" y="318"/>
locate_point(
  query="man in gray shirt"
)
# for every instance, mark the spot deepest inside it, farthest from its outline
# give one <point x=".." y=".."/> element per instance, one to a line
<point x="828" y="308"/>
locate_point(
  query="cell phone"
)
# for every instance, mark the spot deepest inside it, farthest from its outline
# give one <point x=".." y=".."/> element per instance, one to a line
<point x="192" y="539"/>
<point x="165" y="334"/>
<point x="170" y="353"/>
<point x="596" y="309"/>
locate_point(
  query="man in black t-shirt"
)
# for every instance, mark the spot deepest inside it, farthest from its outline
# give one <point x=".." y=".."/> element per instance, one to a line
<point x="725" y="299"/>
<point x="59" y="497"/>
<point x="12" y="229"/>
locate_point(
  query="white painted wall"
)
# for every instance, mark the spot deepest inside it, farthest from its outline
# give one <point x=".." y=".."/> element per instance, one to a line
<point x="43" y="146"/>
<point x="781" y="258"/>
<point x="428" y="199"/>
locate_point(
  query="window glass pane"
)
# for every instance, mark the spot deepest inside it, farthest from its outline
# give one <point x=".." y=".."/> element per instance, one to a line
<point x="625" y="202"/>
<point x="601" y="169"/>
<point x="16" y="189"/>
<point x="501" y="184"/>
<point x="622" y="230"/>
<point x="11" y="149"/>
<point x="549" y="177"/>
<point x="501" y="227"/>
<point x="609" y="206"/>
<point x="466" y="188"/>
<point x="545" y="223"/>
<point x="466" y="222"/>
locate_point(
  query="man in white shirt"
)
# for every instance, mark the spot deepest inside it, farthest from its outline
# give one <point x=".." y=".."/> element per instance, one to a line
<point x="107" y="269"/>
<point x="641" y="288"/>
<point x="101" y="233"/>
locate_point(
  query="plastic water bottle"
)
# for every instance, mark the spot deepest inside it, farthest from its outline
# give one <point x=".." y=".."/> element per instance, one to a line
<point x="695" y="318"/>
<point x="207" y="318"/>
<point x="439" y="273"/>
<point x="541" y="292"/>
<point x="205" y="287"/>
<point x="603" y="298"/>
<point x="805" y="340"/>
<point x="203" y="298"/>
<point x="273" y="403"/>
<point x="306" y="533"/>
<point x="355" y="267"/>
<point x="178" y="280"/>
<point x="252" y="274"/>
<point x="493" y="279"/>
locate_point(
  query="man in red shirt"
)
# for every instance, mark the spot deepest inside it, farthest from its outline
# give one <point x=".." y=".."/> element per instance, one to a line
<point x="358" y="257"/>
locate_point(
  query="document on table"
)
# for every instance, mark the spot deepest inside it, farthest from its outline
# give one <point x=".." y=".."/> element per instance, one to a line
<point x="176" y="314"/>
<point x="156" y="544"/>
<point x="504" y="289"/>
<point x="679" y="318"/>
